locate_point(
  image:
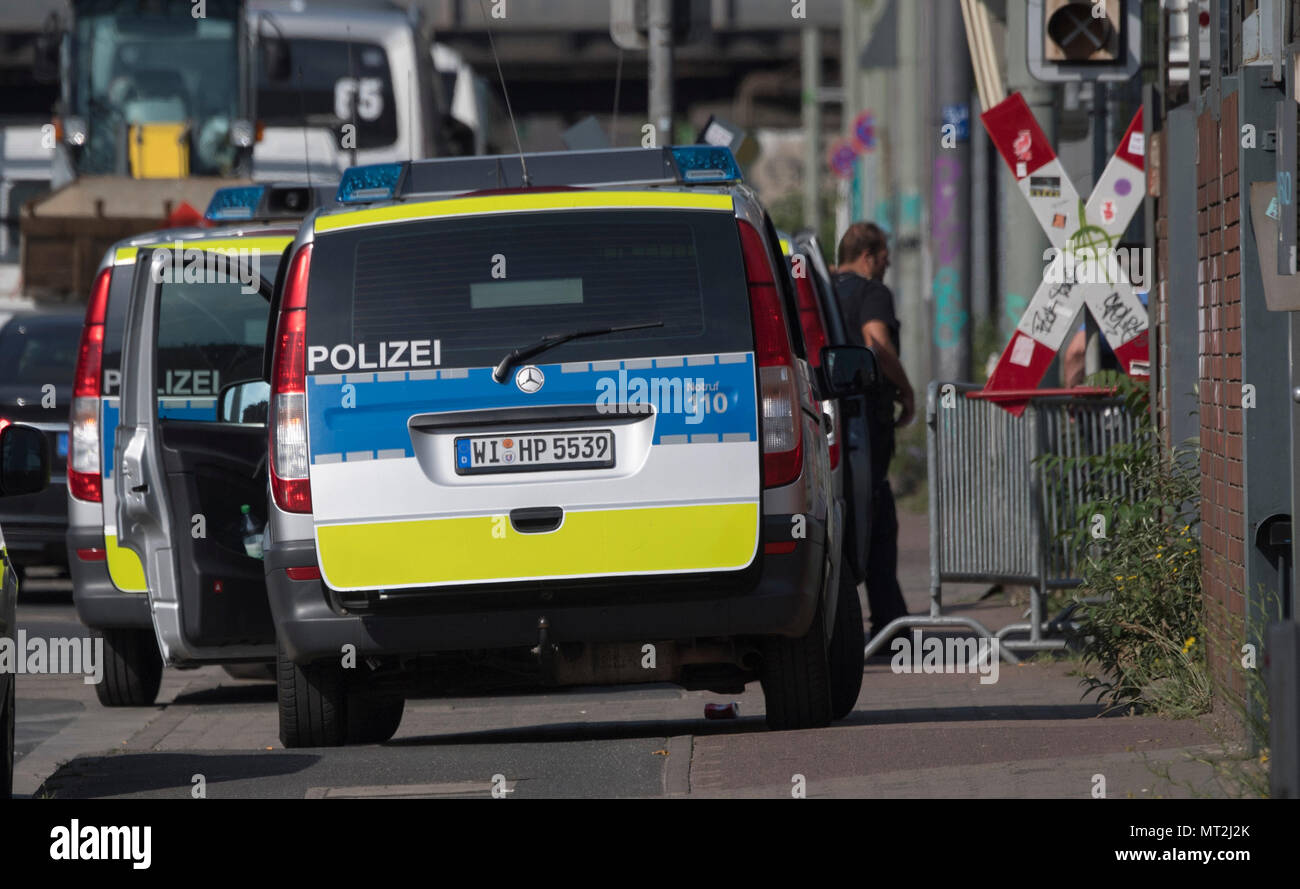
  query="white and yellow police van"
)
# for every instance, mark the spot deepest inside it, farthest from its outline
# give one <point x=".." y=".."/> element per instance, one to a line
<point x="533" y="421"/>
<point x="214" y="333"/>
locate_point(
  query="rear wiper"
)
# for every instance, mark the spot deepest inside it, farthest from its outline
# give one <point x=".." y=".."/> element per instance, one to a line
<point x="552" y="340"/>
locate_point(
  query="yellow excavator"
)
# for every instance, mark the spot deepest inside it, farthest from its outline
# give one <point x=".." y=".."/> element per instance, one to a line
<point x="155" y="113"/>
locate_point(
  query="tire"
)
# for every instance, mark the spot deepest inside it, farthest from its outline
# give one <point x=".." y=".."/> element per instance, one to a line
<point x="7" y="742"/>
<point x="795" y="675"/>
<point x="848" y="640"/>
<point x="313" y="703"/>
<point x="373" y="719"/>
<point x="132" y="668"/>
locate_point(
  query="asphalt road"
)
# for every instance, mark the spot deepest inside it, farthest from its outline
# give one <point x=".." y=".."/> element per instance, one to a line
<point x="1028" y="735"/>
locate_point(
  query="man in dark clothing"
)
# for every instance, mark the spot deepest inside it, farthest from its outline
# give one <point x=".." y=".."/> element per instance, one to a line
<point x="868" y="309"/>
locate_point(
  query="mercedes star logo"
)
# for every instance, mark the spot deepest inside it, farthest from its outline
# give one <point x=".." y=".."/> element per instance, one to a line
<point x="529" y="379"/>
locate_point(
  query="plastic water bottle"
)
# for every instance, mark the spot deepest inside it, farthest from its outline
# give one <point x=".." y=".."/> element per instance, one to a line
<point x="251" y="533"/>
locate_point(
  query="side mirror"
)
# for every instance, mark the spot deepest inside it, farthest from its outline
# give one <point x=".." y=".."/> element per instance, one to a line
<point x="277" y="61"/>
<point x="24" y="460"/>
<point x="45" y="51"/>
<point x="848" y="370"/>
<point x="247" y="401"/>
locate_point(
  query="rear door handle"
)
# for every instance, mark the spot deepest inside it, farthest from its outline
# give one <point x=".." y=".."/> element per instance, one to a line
<point x="537" y="519"/>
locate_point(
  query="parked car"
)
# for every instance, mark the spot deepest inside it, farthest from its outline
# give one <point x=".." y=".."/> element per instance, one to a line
<point x="850" y="457"/>
<point x="38" y="353"/>
<point x="24" y="471"/>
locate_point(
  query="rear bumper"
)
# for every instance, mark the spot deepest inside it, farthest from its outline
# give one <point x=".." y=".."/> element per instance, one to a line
<point x="100" y="605"/>
<point x="777" y="597"/>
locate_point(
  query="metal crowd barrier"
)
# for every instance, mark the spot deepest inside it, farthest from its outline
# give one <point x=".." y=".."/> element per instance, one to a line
<point x="995" y="515"/>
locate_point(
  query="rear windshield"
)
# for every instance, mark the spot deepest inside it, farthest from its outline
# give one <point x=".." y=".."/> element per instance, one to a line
<point x="36" y="351"/>
<point x="119" y="297"/>
<point x="478" y="287"/>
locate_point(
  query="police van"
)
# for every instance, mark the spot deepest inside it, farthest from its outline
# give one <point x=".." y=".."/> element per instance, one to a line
<point x="197" y="358"/>
<point x="543" y="419"/>
<point x="823" y="325"/>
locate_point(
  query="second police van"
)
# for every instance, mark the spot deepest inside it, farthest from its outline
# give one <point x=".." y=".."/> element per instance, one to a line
<point x="532" y="420"/>
<point x="196" y="357"/>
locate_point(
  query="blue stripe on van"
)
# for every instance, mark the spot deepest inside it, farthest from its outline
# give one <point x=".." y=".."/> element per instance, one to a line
<point x="201" y="410"/>
<point x="108" y="422"/>
<point x="377" y="422"/>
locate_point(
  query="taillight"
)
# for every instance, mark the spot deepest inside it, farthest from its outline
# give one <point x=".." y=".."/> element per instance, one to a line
<point x="810" y="320"/>
<point x="290" y="485"/>
<point x="814" y="337"/>
<point x="85" y="480"/>
<point x="781" y="429"/>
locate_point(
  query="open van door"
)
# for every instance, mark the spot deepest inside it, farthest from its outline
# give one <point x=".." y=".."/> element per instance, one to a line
<point x="190" y="448"/>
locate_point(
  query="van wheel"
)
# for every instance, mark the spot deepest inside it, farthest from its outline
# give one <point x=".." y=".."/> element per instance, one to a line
<point x="132" y="668"/>
<point x="848" y="640"/>
<point x="373" y="719"/>
<point x="312" y="703"/>
<point x="795" y="675"/>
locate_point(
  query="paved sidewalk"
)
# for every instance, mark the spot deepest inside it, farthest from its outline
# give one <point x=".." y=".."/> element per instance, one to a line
<point x="1030" y="734"/>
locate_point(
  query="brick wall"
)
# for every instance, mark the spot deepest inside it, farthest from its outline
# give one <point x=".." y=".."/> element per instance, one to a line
<point x="1219" y="396"/>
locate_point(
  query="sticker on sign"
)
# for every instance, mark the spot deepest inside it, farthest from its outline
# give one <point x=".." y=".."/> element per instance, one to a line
<point x="1022" y="353"/>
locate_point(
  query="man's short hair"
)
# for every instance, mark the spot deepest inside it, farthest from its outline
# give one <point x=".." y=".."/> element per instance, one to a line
<point x="862" y="237"/>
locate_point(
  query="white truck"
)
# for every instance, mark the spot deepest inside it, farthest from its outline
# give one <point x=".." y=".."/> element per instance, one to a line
<point x="341" y="84"/>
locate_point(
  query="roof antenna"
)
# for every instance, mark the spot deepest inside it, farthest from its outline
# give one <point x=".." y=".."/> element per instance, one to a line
<point x="618" y="83"/>
<point x="356" y="93"/>
<point x="302" y="104"/>
<point x="523" y="165"/>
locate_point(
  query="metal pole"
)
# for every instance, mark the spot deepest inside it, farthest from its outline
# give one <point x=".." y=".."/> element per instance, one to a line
<point x="660" y="27"/>
<point x="1021" y="242"/>
<point x="812" y="126"/>
<point x="908" y="137"/>
<point x="851" y="86"/>
<point x="950" y="204"/>
<point x="1100" y="135"/>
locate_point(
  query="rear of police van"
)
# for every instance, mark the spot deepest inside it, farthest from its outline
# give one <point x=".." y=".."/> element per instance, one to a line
<point x="638" y="481"/>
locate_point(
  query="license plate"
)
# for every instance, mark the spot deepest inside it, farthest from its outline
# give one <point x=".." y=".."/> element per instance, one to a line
<point x="534" y="452"/>
<point x="63" y="444"/>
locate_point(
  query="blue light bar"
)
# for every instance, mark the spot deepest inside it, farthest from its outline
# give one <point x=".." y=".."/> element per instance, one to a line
<point x="373" y="182"/>
<point x="705" y="163"/>
<point x="235" y="202"/>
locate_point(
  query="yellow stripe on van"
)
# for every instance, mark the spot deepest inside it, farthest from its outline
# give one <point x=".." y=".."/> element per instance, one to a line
<point x="124" y="567"/>
<point x="127" y="255"/>
<point x="482" y="548"/>
<point x="523" y="202"/>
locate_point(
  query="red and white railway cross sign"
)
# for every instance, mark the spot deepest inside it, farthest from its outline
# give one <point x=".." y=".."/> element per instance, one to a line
<point x="1085" y="236"/>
